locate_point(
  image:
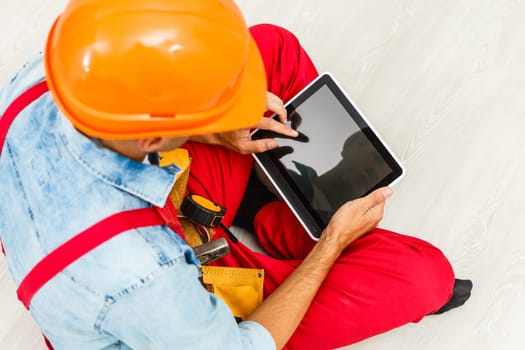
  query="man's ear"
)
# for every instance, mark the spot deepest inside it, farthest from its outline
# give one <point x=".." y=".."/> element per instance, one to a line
<point x="150" y="144"/>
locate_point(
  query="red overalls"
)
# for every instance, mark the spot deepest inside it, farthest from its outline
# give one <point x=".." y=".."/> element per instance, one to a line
<point x="380" y="282"/>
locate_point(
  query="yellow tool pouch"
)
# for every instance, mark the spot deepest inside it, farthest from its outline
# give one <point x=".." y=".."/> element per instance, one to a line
<point x="240" y="288"/>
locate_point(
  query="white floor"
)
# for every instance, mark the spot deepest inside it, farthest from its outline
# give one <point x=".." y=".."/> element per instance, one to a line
<point x="444" y="83"/>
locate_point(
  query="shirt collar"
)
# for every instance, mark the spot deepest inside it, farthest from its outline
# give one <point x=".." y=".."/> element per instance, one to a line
<point x="148" y="182"/>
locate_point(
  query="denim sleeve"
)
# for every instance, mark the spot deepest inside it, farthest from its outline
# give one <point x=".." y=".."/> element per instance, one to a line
<point x="174" y="311"/>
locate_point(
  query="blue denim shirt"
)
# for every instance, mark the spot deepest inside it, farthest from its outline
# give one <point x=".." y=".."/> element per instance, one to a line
<point x="140" y="290"/>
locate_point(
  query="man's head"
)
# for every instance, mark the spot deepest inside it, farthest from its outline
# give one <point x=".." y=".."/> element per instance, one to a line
<point x="134" y="69"/>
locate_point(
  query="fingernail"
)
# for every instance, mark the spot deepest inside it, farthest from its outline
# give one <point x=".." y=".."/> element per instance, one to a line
<point x="294" y="133"/>
<point x="387" y="192"/>
<point x="271" y="144"/>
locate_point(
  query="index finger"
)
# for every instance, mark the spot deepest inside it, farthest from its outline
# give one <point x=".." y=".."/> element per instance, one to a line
<point x="275" y="104"/>
<point x="277" y="127"/>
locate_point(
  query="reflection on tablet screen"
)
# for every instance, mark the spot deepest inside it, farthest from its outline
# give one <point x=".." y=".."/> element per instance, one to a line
<point x="331" y="168"/>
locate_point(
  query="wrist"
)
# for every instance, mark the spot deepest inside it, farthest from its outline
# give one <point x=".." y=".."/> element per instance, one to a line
<point x="330" y="243"/>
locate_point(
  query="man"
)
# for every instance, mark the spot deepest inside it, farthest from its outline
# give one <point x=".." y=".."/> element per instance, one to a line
<point x="129" y="78"/>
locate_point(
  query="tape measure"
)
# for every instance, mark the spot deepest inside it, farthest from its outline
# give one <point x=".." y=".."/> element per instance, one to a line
<point x="204" y="212"/>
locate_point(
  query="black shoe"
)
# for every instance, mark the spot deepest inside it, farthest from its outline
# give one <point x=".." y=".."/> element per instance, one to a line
<point x="460" y="295"/>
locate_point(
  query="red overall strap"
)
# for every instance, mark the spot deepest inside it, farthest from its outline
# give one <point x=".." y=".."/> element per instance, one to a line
<point x="170" y="218"/>
<point x="21" y="102"/>
<point x="87" y="240"/>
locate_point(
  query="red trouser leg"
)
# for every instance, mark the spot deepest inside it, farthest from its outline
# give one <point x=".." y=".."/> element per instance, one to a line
<point x="381" y="281"/>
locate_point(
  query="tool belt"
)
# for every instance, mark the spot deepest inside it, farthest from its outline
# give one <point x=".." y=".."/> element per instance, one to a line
<point x="240" y="288"/>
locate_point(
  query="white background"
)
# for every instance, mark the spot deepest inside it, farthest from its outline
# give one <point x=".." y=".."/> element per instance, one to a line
<point x="443" y="82"/>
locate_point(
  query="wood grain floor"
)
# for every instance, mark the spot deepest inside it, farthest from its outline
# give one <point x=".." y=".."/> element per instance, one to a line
<point x="444" y="83"/>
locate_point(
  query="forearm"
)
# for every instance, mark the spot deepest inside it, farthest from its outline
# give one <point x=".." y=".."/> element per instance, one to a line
<point x="284" y="309"/>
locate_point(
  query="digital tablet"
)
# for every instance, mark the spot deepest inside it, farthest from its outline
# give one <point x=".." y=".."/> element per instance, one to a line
<point x="337" y="157"/>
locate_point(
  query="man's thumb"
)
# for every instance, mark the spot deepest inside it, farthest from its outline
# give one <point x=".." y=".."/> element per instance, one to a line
<point x="380" y="195"/>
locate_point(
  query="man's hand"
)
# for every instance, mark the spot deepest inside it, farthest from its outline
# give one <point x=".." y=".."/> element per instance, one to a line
<point x="282" y="311"/>
<point x="355" y="218"/>
<point x="241" y="140"/>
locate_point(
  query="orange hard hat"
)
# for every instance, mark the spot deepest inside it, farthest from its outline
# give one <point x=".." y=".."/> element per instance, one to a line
<point x="126" y="69"/>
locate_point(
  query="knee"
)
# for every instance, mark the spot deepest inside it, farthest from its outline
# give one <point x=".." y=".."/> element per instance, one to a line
<point x="433" y="279"/>
<point x="426" y="274"/>
<point x="288" y="67"/>
<point x="272" y="33"/>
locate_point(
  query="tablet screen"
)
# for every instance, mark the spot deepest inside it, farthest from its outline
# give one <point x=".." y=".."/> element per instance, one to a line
<point x="336" y="158"/>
